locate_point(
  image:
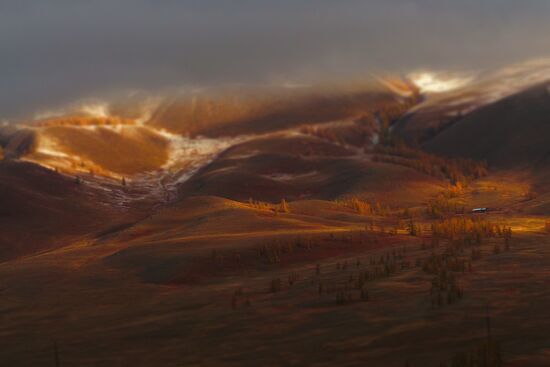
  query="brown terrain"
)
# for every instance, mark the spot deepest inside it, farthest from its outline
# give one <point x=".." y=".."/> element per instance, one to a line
<point x="312" y="236"/>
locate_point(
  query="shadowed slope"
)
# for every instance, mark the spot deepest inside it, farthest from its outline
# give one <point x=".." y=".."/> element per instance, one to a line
<point x="237" y="112"/>
<point x="41" y="209"/>
<point x="305" y="167"/>
<point x="513" y="132"/>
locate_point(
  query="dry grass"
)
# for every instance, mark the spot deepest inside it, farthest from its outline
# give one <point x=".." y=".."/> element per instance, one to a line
<point x="83" y="121"/>
<point x="376" y="297"/>
<point x="217" y="282"/>
<point x="130" y="151"/>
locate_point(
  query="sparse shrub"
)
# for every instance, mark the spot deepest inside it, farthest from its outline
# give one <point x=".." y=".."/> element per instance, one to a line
<point x="442" y="206"/>
<point x="283" y="207"/>
<point x="292" y="278"/>
<point x="56" y="354"/>
<point x="272" y="253"/>
<point x="486" y="354"/>
<point x="476" y="254"/>
<point x="356" y="134"/>
<point x="363" y="207"/>
<point x="276" y="285"/>
<point x="467" y="230"/>
<point x="343" y="297"/>
<point x="261" y="205"/>
<point x="454" y="191"/>
<point x="531" y="195"/>
<point x="364" y="294"/>
<point x="340" y="298"/>
<point x="413" y="229"/>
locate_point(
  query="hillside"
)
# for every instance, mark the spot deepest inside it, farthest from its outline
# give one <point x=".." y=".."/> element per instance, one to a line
<point x="120" y="150"/>
<point x="306" y="167"/>
<point x="440" y="110"/>
<point x="257" y="111"/>
<point x="510" y="133"/>
<point x="42" y="210"/>
<point x="275" y="229"/>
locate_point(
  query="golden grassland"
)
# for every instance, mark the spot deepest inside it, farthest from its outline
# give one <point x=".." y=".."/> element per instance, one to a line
<point x="210" y="281"/>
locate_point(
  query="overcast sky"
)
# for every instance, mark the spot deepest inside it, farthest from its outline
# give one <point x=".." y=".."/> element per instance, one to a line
<point x="55" y="51"/>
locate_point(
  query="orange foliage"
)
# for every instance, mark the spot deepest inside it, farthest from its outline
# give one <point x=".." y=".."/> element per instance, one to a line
<point x="468" y="230"/>
<point x="261" y="205"/>
<point x="442" y="206"/>
<point x="363" y="207"/>
<point x="84" y="121"/>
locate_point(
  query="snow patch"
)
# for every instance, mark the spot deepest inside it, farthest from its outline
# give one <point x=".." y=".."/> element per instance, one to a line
<point x="289" y="177"/>
<point x="439" y="82"/>
<point x="489" y="87"/>
<point x="187" y="155"/>
<point x="50" y="148"/>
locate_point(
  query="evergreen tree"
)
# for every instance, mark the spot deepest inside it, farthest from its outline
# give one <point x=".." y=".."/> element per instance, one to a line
<point x="283" y="207"/>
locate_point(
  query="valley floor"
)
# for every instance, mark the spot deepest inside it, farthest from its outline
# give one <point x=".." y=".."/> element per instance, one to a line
<point x="213" y="282"/>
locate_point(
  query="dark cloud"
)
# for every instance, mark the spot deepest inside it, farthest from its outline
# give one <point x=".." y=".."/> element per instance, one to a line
<point x="54" y="51"/>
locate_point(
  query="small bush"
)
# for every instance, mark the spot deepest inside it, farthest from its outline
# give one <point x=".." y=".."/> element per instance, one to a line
<point x="276" y="285"/>
<point x="283" y="207"/>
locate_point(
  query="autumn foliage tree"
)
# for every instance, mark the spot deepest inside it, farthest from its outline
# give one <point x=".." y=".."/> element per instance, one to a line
<point x="283" y="207"/>
<point x="363" y="207"/>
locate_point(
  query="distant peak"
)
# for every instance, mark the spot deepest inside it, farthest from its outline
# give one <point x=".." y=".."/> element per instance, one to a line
<point x="439" y="81"/>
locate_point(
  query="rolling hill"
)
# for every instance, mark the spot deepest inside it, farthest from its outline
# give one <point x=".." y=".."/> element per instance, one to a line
<point x="42" y="209"/>
<point x="195" y="259"/>
<point x="510" y="133"/>
<point x="263" y="110"/>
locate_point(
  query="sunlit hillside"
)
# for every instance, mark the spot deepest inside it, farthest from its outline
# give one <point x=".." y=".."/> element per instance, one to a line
<point x="389" y="218"/>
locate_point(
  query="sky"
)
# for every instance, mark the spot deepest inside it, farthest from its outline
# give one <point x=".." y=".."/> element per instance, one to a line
<point x="56" y="51"/>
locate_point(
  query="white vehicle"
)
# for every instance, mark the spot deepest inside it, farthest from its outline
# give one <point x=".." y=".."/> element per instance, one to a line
<point x="480" y="210"/>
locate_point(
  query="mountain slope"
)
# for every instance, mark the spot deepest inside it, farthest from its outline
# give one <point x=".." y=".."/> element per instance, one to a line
<point x="440" y="110"/>
<point x="512" y="132"/>
<point x="305" y="167"/>
<point x="41" y="209"/>
<point x="235" y="112"/>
